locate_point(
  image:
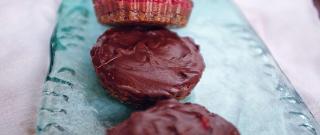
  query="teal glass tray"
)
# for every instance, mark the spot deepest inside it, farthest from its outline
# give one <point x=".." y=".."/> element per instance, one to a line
<point x="241" y="82"/>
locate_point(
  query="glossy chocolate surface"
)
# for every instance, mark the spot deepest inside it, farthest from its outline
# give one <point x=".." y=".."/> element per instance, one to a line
<point x="170" y="117"/>
<point x="142" y="65"/>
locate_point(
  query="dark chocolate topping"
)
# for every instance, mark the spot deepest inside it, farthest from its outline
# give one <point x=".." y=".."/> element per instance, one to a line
<point x="170" y="117"/>
<point x="143" y="65"/>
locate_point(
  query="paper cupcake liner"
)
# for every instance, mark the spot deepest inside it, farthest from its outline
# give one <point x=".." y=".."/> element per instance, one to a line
<point x="143" y="12"/>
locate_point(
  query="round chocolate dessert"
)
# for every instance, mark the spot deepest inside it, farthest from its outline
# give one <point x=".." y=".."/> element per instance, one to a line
<point x="143" y="12"/>
<point x="144" y="65"/>
<point x="170" y="117"/>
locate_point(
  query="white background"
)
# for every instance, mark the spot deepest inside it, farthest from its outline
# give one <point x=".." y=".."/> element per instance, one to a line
<point x="290" y="28"/>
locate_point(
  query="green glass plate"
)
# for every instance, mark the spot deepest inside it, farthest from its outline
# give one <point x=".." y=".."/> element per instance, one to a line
<point x="241" y="82"/>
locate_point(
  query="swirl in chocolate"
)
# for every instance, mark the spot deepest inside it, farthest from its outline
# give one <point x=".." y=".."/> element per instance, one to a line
<point x="170" y="117"/>
<point x="143" y="65"/>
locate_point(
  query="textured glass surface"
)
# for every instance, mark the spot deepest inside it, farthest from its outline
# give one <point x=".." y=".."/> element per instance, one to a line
<point x="241" y="81"/>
